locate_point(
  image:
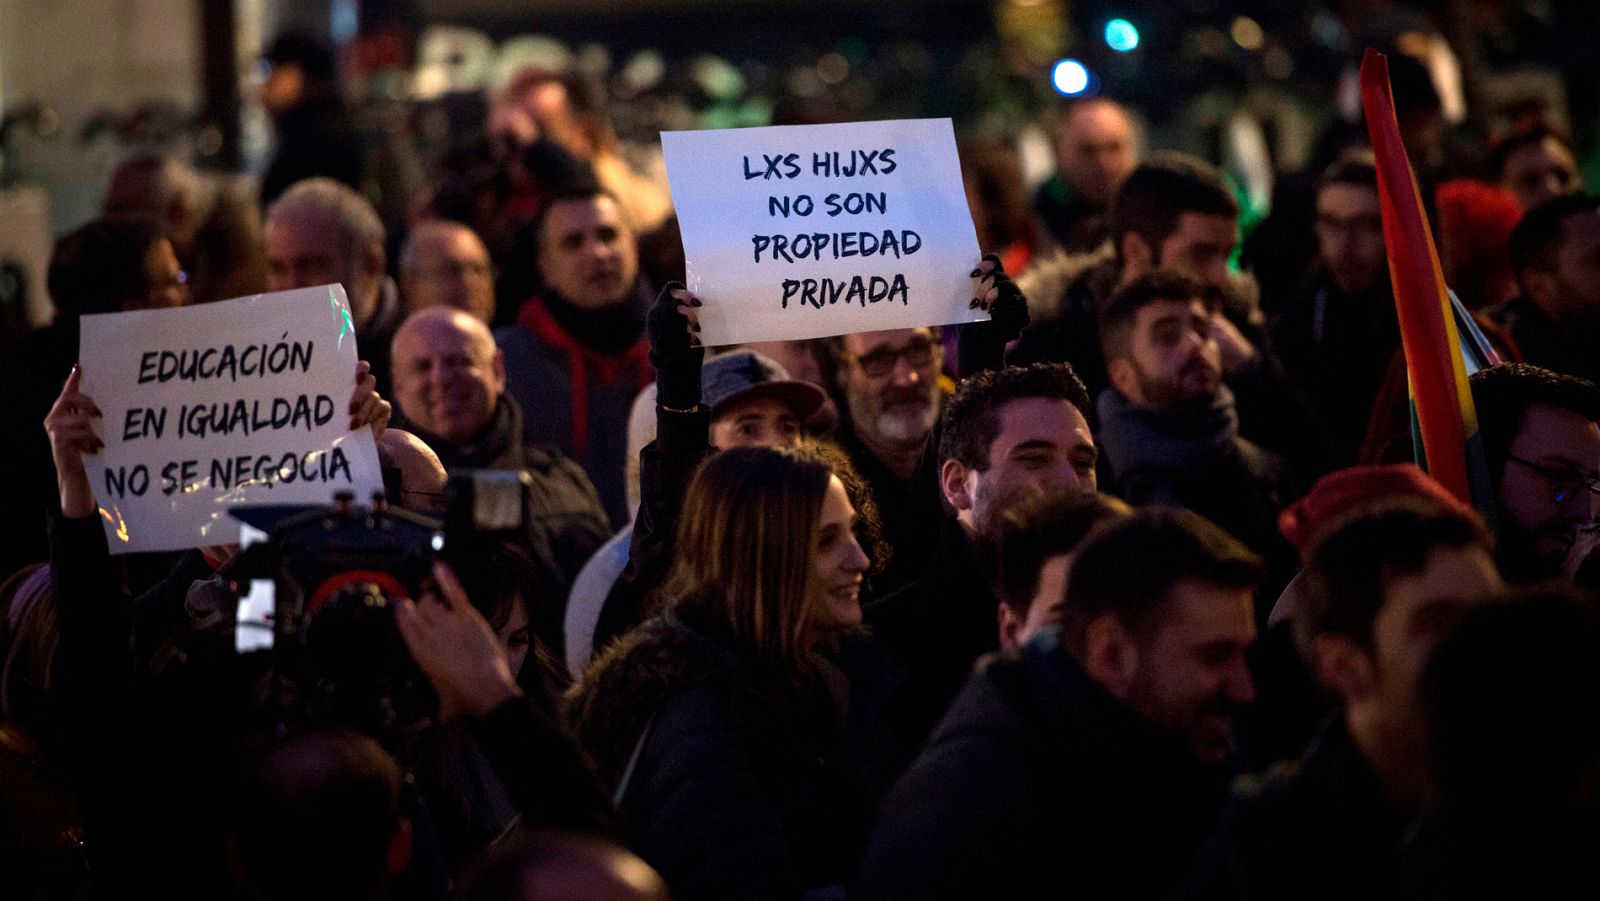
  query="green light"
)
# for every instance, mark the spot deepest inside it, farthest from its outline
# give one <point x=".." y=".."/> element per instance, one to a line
<point x="1121" y="36"/>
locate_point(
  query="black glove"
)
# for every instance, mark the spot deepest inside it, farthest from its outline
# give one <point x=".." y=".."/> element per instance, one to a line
<point x="1008" y="315"/>
<point x="982" y="345"/>
<point x="675" y="354"/>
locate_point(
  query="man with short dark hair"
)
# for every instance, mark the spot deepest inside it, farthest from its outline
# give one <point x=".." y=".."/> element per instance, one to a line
<point x="577" y="353"/>
<point x="450" y="389"/>
<point x="1092" y="764"/>
<point x="1006" y="433"/>
<point x="1168" y="425"/>
<point x="1541" y="440"/>
<point x="1172" y="212"/>
<point x="1555" y="254"/>
<point x="1030" y="548"/>
<point x="1536" y="163"/>
<point x="1378" y="591"/>
<point x="1095" y="149"/>
<point x="1338" y="331"/>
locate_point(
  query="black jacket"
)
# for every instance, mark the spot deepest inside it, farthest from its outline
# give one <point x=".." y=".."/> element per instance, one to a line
<point x="741" y="789"/>
<point x="666" y="465"/>
<point x="1542" y="342"/>
<point x="1040" y="785"/>
<point x="1336" y="350"/>
<point x="937" y="627"/>
<point x="909" y="510"/>
<point x="315" y="138"/>
<point x="1317" y="829"/>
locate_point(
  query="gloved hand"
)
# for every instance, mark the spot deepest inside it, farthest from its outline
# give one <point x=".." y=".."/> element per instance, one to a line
<point x="1000" y="296"/>
<point x="675" y="349"/>
<point x="982" y="345"/>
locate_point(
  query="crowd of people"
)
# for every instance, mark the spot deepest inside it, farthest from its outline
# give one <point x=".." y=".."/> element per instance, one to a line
<point x="1130" y="591"/>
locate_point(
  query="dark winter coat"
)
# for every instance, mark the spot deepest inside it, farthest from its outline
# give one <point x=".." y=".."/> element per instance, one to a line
<point x="1038" y="784"/>
<point x="666" y="466"/>
<point x="937" y="627"/>
<point x="736" y="787"/>
<point x="1320" y="828"/>
<point x="576" y="396"/>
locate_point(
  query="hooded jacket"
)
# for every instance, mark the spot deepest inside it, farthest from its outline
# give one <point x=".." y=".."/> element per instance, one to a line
<point x="733" y="785"/>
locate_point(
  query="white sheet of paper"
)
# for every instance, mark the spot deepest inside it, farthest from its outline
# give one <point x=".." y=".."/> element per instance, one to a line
<point x="208" y="407"/>
<point x="752" y="203"/>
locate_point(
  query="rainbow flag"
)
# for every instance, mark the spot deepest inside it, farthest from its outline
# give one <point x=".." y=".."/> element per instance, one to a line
<point x="1442" y="414"/>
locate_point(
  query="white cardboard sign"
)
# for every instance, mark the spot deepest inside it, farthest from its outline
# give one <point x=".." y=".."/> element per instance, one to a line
<point x="209" y="407"/>
<point x="802" y="231"/>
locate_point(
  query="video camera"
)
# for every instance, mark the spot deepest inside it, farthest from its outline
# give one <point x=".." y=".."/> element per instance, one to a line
<point x="323" y="586"/>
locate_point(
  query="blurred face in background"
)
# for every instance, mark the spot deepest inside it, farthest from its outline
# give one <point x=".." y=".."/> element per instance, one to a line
<point x="587" y="253"/>
<point x="1095" y="149"/>
<point x="445" y="264"/>
<point x="1349" y="230"/>
<point x="167" y="282"/>
<point x="1539" y="172"/>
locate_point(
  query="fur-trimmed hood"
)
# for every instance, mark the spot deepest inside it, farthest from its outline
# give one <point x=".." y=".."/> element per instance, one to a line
<point x="628" y="682"/>
<point x="1047" y="282"/>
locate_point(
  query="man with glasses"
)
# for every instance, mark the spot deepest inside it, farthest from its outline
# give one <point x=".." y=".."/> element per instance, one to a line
<point x="887" y="388"/>
<point x="1541" y="436"/>
<point x="1337" y="333"/>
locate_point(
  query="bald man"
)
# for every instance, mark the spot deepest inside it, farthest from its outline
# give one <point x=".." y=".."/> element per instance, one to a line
<point x="443" y="263"/>
<point x="449" y="389"/>
<point x="1095" y="149"/>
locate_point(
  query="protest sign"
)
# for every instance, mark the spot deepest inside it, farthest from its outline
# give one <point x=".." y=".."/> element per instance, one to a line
<point x="802" y="231"/>
<point x="209" y="407"/>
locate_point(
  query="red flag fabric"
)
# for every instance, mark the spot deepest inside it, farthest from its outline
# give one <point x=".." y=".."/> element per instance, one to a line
<point x="1440" y="396"/>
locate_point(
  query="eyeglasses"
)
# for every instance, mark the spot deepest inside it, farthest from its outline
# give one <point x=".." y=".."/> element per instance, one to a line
<point x="1564" y="484"/>
<point x="880" y="363"/>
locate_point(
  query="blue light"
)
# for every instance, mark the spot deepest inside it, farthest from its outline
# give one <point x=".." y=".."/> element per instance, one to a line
<point x="1121" y="36"/>
<point x="1070" y="77"/>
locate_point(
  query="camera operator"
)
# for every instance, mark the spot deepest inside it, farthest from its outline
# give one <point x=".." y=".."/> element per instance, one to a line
<point x="200" y="704"/>
<point x="149" y="760"/>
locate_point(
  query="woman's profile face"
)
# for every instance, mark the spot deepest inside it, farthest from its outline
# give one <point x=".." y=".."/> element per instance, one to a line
<point x="833" y="593"/>
<point x="515" y="635"/>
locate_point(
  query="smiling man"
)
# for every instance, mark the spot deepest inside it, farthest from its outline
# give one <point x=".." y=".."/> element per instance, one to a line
<point x="1093" y="763"/>
<point x="1379" y="591"/>
<point x="450" y="390"/>
<point x="1541" y="437"/>
<point x="1007" y="433"/>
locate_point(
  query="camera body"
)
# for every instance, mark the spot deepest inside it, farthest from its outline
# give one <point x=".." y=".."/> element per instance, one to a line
<point x="335" y="574"/>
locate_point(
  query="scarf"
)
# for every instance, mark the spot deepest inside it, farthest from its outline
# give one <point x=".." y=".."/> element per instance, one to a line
<point x="582" y="358"/>
<point x="1183" y="438"/>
